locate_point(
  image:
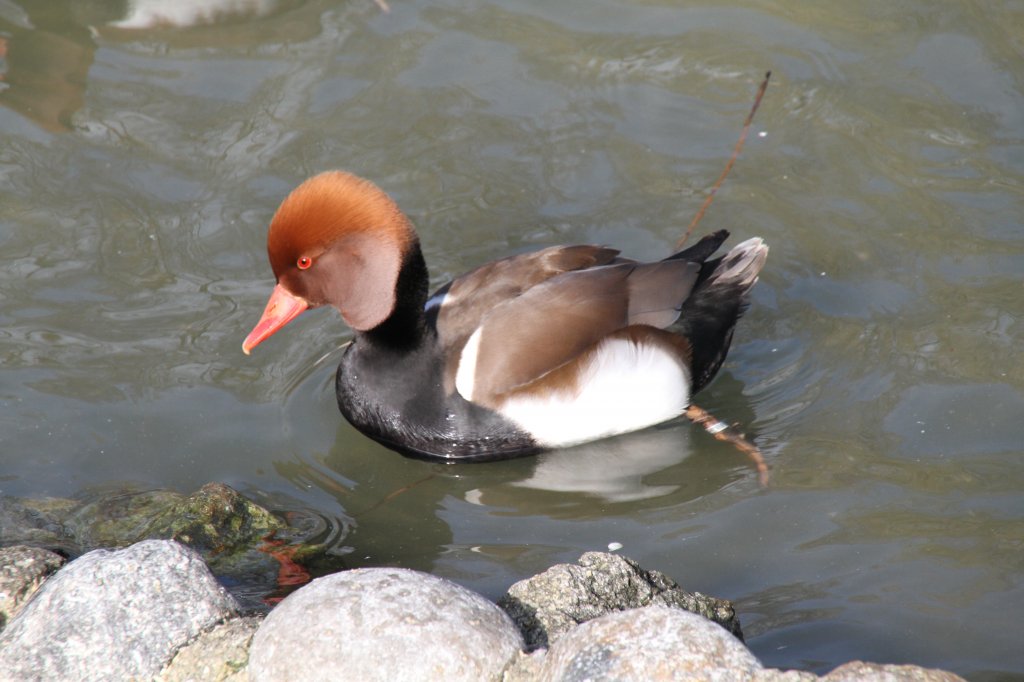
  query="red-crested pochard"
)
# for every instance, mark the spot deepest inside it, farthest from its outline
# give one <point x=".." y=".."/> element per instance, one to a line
<point x="541" y="350"/>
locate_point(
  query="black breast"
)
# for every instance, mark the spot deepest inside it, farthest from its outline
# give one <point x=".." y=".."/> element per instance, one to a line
<point x="395" y="396"/>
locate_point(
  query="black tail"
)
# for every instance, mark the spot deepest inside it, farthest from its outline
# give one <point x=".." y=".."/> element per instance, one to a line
<point x="702" y="250"/>
<point x="720" y="296"/>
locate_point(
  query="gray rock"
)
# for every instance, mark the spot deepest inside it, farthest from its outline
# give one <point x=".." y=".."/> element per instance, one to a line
<point x="22" y="571"/>
<point x="383" y="624"/>
<point x="114" y="615"/>
<point x="776" y="675"/>
<point x="859" y="671"/>
<point x="552" y="603"/>
<point x="653" y="643"/>
<point x="38" y="522"/>
<point x="525" y="667"/>
<point x="218" y="655"/>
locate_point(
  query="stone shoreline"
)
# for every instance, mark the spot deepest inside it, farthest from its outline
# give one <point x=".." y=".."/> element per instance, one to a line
<point x="155" y="611"/>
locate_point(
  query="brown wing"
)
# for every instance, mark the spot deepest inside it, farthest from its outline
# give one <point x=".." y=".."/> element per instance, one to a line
<point x="461" y="305"/>
<point x="470" y="297"/>
<point x="556" y="320"/>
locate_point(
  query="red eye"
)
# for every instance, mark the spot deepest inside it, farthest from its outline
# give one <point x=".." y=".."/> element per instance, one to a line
<point x="304" y="262"/>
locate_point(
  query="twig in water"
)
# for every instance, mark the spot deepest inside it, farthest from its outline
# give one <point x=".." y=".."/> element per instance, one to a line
<point x="395" y="493"/>
<point x="728" y="166"/>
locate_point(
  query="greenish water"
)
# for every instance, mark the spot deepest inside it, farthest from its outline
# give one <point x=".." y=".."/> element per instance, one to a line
<point x="880" y="367"/>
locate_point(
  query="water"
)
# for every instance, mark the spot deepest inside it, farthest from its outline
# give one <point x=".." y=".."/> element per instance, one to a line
<point x="879" y="367"/>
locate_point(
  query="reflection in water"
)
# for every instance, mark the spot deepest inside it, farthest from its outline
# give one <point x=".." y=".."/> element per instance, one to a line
<point x="142" y="14"/>
<point x="389" y="497"/>
<point x="46" y="58"/>
<point x="47" y="48"/>
<point x="614" y="472"/>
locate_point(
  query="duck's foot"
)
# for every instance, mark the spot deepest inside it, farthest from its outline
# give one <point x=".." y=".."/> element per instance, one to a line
<point x="727" y="434"/>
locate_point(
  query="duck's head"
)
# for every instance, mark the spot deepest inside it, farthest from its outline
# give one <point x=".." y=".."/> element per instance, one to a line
<point x="337" y="240"/>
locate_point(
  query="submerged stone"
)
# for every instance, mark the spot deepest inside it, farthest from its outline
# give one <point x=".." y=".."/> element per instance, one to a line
<point x="38" y="522"/>
<point x="213" y="520"/>
<point x="239" y="539"/>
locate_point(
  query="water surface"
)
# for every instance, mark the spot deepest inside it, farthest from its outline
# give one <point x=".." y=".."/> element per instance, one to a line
<point x="879" y="367"/>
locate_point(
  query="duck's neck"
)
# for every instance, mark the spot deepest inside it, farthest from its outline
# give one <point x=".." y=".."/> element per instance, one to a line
<point x="406" y="327"/>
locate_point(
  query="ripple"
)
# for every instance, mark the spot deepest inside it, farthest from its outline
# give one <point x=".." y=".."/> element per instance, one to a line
<point x="950" y="421"/>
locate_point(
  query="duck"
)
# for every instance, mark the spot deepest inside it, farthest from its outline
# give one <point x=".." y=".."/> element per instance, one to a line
<point x="532" y="352"/>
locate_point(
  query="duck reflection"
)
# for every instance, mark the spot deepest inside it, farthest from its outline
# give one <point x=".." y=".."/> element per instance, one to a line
<point x="620" y="471"/>
<point x="414" y="514"/>
<point x="47" y="47"/>
<point x="144" y="14"/>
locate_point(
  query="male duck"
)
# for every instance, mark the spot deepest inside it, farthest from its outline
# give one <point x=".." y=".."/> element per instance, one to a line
<point x="547" y="349"/>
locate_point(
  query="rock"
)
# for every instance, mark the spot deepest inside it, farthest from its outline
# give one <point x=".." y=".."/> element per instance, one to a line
<point x="552" y="603"/>
<point x="525" y="667"/>
<point x="116" y="517"/>
<point x="383" y="624"/>
<point x="653" y="643"/>
<point x="215" y="520"/>
<point x="37" y="522"/>
<point x="239" y="539"/>
<point x="22" y="571"/>
<point x="214" y="517"/>
<point x="114" y="615"/>
<point x="218" y="655"/>
<point x="859" y="671"/>
<point x="775" y="675"/>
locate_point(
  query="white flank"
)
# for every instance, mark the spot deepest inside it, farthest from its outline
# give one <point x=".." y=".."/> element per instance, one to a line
<point x="625" y="387"/>
<point x="153" y="13"/>
<point x="465" y="376"/>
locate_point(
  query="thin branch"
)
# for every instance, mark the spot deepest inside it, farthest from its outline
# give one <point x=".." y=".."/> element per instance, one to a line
<point x="725" y="433"/>
<point x="395" y="493"/>
<point x="728" y="166"/>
